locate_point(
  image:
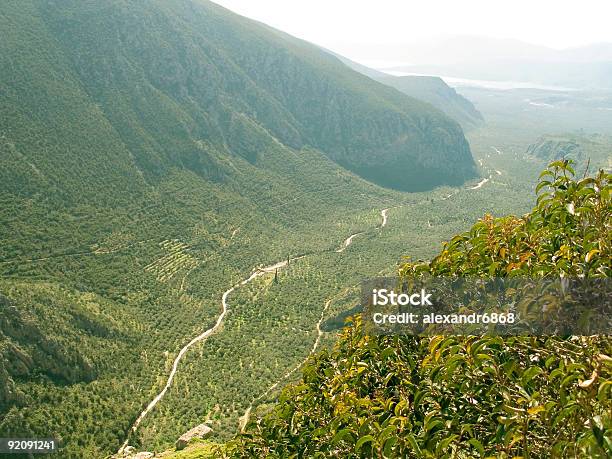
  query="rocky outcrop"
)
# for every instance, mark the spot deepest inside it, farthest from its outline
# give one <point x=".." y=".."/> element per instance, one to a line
<point x="201" y="431"/>
<point x="130" y="453"/>
<point x="552" y="148"/>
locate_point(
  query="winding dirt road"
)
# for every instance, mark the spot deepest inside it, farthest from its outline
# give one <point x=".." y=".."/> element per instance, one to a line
<point x="256" y="273"/>
<point x="479" y="184"/>
<point x="383" y="214"/>
<point x="348" y="241"/>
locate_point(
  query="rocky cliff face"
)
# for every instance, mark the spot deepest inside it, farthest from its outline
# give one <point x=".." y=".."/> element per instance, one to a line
<point x="594" y="150"/>
<point x="551" y="149"/>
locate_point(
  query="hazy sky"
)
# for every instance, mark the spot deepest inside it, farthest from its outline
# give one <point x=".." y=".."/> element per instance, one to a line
<point x="342" y="24"/>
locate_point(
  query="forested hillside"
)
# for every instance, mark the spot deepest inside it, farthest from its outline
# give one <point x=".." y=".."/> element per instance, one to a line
<point x="467" y="396"/>
<point x="183" y="84"/>
<point x="585" y="150"/>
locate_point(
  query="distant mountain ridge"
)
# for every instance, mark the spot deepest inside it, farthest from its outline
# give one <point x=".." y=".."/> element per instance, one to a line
<point x="430" y="89"/>
<point x="436" y="92"/>
<point x="485" y="58"/>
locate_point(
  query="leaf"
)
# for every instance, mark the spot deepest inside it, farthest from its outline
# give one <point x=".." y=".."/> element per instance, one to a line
<point x="388" y="447"/>
<point x="476" y="444"/>
<point x="589" y="255"/>
<point x="362" y="441"/>
<point x="534" y="410"/>
<point x="341" y="435"/>
<point x="604" y="390"/>
<point x="542" y="184"/>
<point x="386" y="433"/>
<point x="585" y="191"/>
<point x="432" y="424"/>
<point x="530" y="373"/>
<point x="589" y="382"/>
<point x="414" y="444"/>
<point x="546" y="172"/>
<point x="559" y="164"/>
<point x="418" y="397"/>
<point x="399" y="406"/>
<point x="569" y="379"/>
<point x="444" y="444"/>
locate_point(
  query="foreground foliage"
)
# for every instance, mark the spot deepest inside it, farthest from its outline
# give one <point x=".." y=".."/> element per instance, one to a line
<point x="473" y="396"/>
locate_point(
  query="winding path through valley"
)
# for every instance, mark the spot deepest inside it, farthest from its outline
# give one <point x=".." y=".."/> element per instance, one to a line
<point x="202" y="336"/>
<point x="479" y="184"/>
<point x="224" y="303"/>
<point x="383" y="214"/>
<point x="348" y="241"/>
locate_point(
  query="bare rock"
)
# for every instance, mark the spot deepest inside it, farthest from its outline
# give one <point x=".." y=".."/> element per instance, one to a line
<point x="202" y="431"/>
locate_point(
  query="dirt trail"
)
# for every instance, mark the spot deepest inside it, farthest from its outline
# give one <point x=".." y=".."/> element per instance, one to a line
<point x="202" y="336"/>
<point x="348" y="241"/>
<point x="479" y="184"/>
<point x="383" y="214"/>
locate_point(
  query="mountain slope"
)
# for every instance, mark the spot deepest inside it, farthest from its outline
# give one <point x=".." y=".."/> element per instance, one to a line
<point x="584" y="149"/>
<point x="167" y="75"/>
<point x="430" y="89"/>
<point x="436" y="92"/>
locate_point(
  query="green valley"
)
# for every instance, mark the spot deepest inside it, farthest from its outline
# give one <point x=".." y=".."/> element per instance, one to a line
<point x="148" y="164"/>
<point x="190" y="200"/>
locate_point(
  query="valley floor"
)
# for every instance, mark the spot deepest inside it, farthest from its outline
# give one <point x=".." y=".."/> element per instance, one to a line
<point x="273" y="317"/>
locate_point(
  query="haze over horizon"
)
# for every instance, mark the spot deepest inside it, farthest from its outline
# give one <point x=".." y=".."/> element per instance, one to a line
<point x="357" y="30"/>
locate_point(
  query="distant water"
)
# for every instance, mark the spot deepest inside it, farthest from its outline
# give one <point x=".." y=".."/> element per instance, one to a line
<point x="489" y="84"/>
